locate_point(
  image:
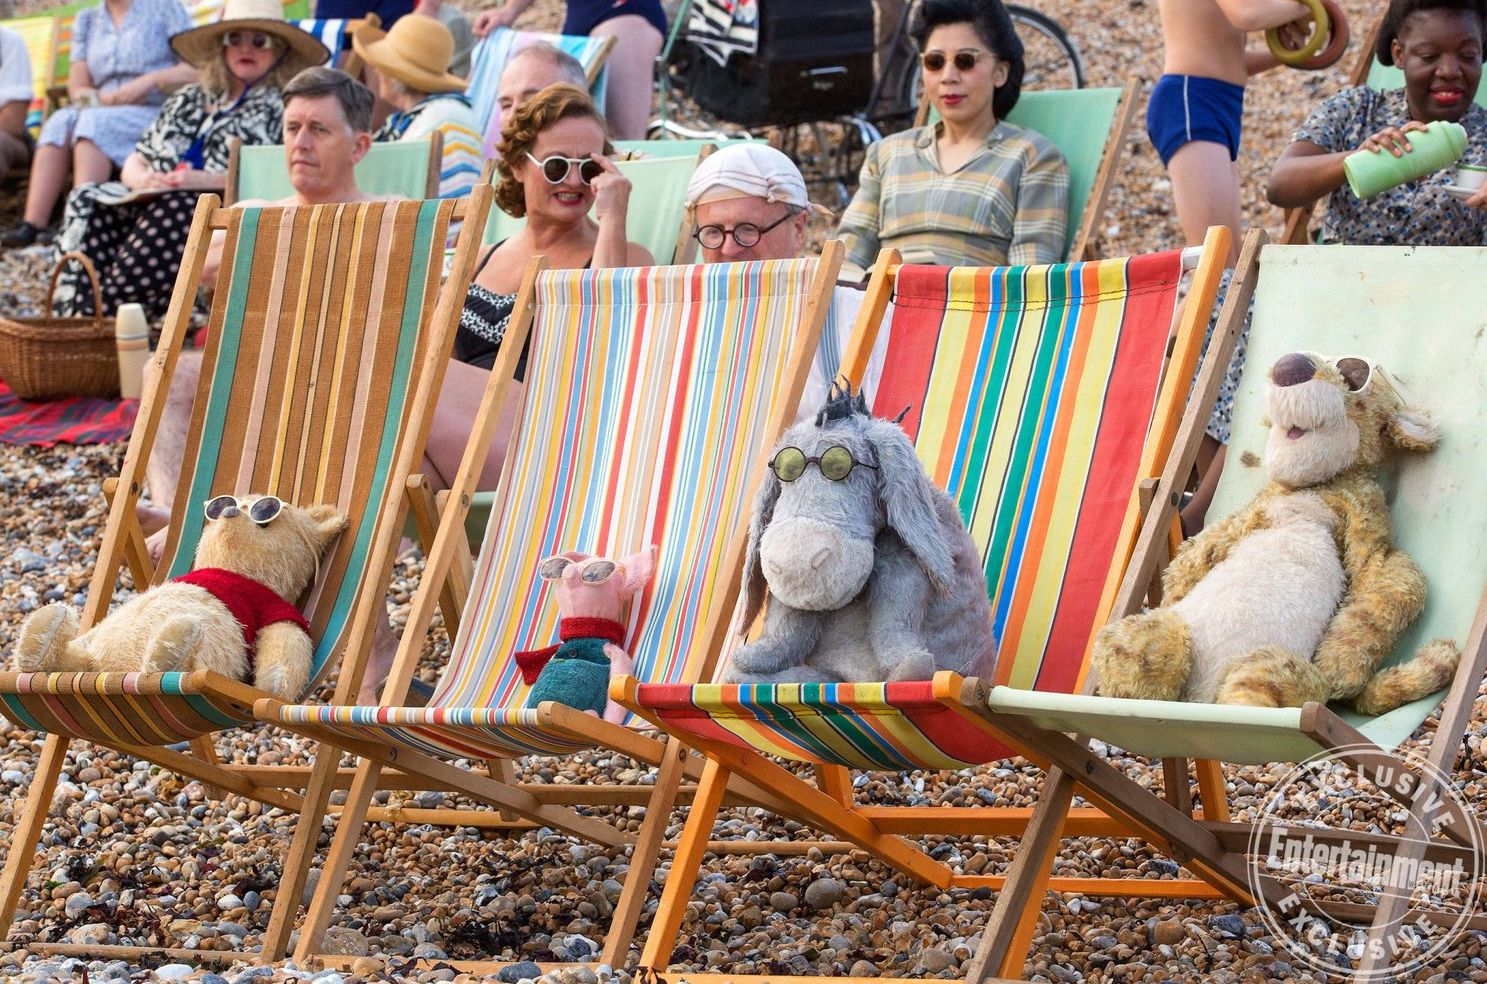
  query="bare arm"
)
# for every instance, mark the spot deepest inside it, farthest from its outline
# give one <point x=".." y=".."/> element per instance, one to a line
<point x="137" y="173"/>
<point x="504" y="15"/>
<point x="1306" y="171"/>
<point x="1261" y="15"/>
<point x="13" y="118"/>
<point x="78" y="79"/>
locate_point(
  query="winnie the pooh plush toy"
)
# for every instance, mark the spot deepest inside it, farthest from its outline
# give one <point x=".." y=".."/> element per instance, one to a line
<point x="233" y="614"/>
<point x="1300" y="595"/>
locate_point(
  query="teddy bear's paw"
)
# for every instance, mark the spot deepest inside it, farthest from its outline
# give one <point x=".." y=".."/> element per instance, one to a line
<point x="1271" y="677"/>
<point x="43" y="637"/>
<point x="1144" y="657"/>
<point x="172" y="646"/>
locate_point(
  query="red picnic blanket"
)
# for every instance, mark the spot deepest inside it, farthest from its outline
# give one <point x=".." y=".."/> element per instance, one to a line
<point x="71" y="420"/>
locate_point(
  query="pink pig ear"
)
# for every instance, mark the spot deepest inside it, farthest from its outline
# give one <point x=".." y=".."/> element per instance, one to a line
<point x="638" y="569"/>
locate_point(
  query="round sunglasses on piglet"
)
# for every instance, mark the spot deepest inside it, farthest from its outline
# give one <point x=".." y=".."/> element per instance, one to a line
<point x="263" y="510"/>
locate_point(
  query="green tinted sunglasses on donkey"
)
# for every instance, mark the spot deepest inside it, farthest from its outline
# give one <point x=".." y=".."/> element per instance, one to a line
<point x="835" y="463"/>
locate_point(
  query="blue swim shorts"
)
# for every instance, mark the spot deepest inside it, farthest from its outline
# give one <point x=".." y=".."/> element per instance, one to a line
<point x="1184" y="108"/>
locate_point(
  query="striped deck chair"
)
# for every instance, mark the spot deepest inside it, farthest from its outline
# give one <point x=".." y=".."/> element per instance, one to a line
<point x="329" y="335"/>
<point x="1438" y="519"/>
<point x="491" y="53"/>
<point x="651" y="395"/>
<point x="40" y="35"/>
<point x="1040" y="397"/>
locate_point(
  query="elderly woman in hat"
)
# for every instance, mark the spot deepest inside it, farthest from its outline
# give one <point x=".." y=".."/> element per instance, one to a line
<point x="411" y="63"/>
<point x="135" y="230"/>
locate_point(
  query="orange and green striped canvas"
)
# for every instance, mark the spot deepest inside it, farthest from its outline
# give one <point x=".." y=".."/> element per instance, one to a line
<point x="1030" y="391"/>
<point x="319" y="329"/>
<point x="648" y="402"/>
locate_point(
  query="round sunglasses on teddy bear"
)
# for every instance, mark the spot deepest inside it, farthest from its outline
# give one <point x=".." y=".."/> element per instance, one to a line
<point x="263" y="510"/>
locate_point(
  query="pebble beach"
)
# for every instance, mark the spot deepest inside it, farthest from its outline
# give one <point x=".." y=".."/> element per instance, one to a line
<point x="137" y="855"/>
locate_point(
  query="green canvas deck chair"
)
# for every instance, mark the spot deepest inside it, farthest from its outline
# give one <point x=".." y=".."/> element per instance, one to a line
<point x="651" y="394"/>
<point x="329" y="335"/>
<point x="1041" y="397"/>
<point x="1367" y="70"/>
<point x="1338" y="300"/>
<point x="657" y="216"/>
<point x="1089" y="127"/>
<point x="400" y="169"/>
<point x="646" y="149"/>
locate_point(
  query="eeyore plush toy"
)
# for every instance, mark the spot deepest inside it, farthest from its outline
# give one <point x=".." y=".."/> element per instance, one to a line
<point x="870" y="572"/>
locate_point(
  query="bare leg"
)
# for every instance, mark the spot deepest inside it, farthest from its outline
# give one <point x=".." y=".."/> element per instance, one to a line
<point x="163" y="470"/>
<point x="627" y="106"/>
<point x="49" y="170"/>
<point x="89" y="164"/>
<point x="459" y="402"/>
<point x="1205" y="190"/>
<point x="1196" y="511"/>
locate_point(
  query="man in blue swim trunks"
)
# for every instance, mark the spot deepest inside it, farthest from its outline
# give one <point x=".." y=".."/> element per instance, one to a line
<point x="1193" y="120"/>
<point x="1194" y="114"/>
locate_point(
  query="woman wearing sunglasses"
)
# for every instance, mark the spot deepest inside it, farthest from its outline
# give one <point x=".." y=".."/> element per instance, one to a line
<point x="971" y="189"/>
<point x="135" y="240"/>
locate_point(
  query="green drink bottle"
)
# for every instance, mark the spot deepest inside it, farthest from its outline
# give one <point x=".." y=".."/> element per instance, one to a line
<point x="1439" y="145"/>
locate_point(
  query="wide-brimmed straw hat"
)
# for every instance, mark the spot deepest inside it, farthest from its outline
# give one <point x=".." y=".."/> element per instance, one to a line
<point x="416" y="52"/>
<point x="201" y="44"/>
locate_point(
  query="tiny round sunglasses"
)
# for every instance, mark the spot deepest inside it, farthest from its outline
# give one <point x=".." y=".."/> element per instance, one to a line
<point x="596" y="570"/>
<point x="746" y="234"/>
<point x="835" y="463"/>
<point x="555" y="168"/>
<point x="256" y="39"/>
<point x="964" y="60"/>
<point x="263" y="510"/>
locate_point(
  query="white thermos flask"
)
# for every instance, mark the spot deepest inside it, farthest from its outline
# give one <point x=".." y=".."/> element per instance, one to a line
<point x="132" y="337"/>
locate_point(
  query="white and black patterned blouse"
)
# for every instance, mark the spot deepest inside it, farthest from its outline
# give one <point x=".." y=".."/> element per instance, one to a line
<point x="190" y="114"/>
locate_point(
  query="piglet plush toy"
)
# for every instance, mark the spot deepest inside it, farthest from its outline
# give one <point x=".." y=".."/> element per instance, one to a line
<point x="592" y="592"/>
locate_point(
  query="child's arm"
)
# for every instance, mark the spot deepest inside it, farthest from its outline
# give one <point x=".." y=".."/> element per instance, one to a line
<point x="1262" y="15"/>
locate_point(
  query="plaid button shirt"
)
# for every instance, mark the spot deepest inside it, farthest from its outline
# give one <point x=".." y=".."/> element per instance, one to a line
<point x="1007" y="204"/>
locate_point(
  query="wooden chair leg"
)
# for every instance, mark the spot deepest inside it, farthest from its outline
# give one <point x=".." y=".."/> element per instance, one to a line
<point x="333" y="874"/>
<point x="301" y="855"/>
<point x="1008" y="936"/>
<point x="1175" y="784"/>
<point x="685" y="866"/>
<point x="205" y="749"/>
<point x="26" y="834"/>
<point x="1212" y="791"/>
<point x="835" y="781"/>
<point x="504" y="770"/>
<point x="643" y="857"/>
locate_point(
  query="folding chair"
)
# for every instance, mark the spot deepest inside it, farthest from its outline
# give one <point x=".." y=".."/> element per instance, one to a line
<point x="404" y="169"/>
<point x="1043" y="399"/>
<point x="650" y="149"/>
<point x="40" y="35"/>
<point x="1299" y="292"/>
<point x="651" y="395"/>
<point x="1367" y="70"/>
<point x="329" y="336"/>
<point x="491" y="53"/>
<point x="1089" y="127"/>
<point x="657" y="215"/>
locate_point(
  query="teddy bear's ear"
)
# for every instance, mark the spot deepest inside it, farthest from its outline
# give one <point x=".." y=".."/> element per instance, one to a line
<point x="1412" y="430"/>
<point x="328" y="523"/>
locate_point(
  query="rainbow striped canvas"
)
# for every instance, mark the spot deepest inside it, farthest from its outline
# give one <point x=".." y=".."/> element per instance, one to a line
<point x="1030" y="391"/>
<point x="648" y="404"/>
<point x="320" y="326"/>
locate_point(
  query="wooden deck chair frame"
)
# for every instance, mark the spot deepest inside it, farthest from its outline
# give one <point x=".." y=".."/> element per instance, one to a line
<point x="234" y="168"/>
<point x="1083" y="241"/>
<point x="880" y="831"/>
<point x="1215" y="849"/>
<point x="446" y="583"/>
<point x="230" y="702"/>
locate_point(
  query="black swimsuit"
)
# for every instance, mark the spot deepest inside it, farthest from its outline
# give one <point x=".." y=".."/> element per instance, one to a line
<point x="483" y="324"/>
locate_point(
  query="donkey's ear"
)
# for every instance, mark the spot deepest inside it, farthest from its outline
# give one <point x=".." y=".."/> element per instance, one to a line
<point x="909" y="502"/>
<point x="759" y="520"/>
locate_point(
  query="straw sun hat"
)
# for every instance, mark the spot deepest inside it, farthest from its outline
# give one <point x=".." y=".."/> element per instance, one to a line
<point x="201" y="44"/>
<point x="416" y="52"/>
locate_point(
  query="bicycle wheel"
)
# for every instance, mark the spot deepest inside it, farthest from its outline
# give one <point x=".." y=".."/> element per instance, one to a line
<point x="1052" y="58"/>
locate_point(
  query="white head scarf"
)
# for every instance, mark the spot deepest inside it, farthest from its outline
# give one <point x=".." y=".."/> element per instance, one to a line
<point x="747" y="170"/>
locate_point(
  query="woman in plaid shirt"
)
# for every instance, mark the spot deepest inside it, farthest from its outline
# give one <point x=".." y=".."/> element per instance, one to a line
<point x="972" y="189"/>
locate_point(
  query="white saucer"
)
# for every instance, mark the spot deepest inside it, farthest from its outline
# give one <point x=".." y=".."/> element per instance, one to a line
<point x="1460" y="193"/>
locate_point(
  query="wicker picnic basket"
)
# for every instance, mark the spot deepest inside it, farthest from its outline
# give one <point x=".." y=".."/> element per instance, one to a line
<point x="47" y="356"/>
